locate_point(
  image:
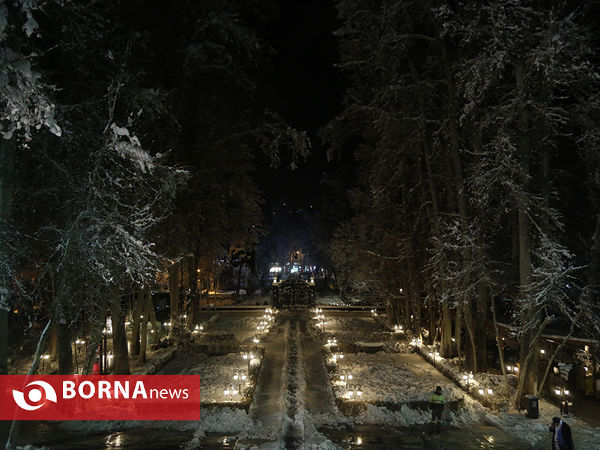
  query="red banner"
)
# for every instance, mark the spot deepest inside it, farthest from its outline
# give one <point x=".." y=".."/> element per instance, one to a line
<point x="81" y="397"/>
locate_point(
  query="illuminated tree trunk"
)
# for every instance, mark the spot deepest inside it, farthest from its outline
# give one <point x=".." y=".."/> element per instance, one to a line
<point x="121" y="354"/>
<point x="138" y="312"/>
<point x="446" y="338"/>
<point x="146" y="302"/>
<point x="174" y="290"/>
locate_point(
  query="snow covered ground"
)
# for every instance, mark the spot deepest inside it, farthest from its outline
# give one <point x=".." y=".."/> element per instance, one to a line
<point x="392" y="378"/>
<point x="396" y="387"/>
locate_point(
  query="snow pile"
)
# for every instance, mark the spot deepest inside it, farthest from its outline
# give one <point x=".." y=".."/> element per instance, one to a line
<point x="215" y="373"/>
<point x="229" y="421"/>
<point x="313" y="439"/>
<point x="392" y="378"/>
<point x="382" y="416"/>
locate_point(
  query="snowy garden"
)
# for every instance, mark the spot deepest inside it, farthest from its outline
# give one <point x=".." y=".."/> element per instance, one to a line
<point x="321" y="209"/>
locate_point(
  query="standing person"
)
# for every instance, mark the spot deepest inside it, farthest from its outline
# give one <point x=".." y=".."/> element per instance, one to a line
<point x="561" y="435"/>
<point x="436" y="404"/>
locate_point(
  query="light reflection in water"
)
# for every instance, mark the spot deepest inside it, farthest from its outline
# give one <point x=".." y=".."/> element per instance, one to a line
<point x="114" y="440"/>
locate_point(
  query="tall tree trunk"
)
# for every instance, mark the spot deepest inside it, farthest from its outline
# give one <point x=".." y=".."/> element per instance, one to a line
<point x="558" y="348"/>
<point x="119" y="337"/>
<point x="138" y="318"/>
<point x="53" y="342"/>
<point x="458" y="326"/>
<point x="453" y="133"/>
<point x="65" y="348"/>
<point x="144" y="327"/>
<point x="499" y="344"/>
<point x="174" y="291"/>
<point x="529" y="375"/>
<point x="471" y="355"/>
<point x="193" y="287"/>
<point x="480" y="326"/>
<point x="446" y="340"/>
<point x="13" y="435"/>
<point x="7" y="189"/>
<point x="3" y="340"/>
<point x="531" y="355"/>
<point x="432" y="324"/>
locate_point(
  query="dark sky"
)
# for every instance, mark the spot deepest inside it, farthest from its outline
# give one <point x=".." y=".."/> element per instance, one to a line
<point x="306" y="90"/>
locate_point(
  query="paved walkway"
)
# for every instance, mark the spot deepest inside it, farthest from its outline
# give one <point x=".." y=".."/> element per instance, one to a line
<point x="268" y="406"/>
<point x="318" y="395"/>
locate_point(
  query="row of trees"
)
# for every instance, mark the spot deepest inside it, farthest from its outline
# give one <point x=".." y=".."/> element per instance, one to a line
<point x="476" y="130"/>
<point x="128" y="145"/>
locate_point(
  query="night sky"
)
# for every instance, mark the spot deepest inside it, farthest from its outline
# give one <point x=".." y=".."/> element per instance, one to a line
<point x="306" y="89"/>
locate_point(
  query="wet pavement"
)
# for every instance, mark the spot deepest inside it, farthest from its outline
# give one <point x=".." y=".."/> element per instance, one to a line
<point x="424" y="437"/>
<point x="49" y="434"/>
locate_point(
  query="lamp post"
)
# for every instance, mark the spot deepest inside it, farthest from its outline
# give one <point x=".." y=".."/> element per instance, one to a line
<point x="44" y="359"/>
<point x="565" y="404"/>
<point x="337" y="356"/>
<point x="468" y="379"/>
<point x="76" y="344"/>
<point x="487" y="391"/>
<point x="248" y="357"/>
<point x="434" y="355"/>
<point x="229" y="391"/>
<point x="355" y="392"/>
<point x="240" y="376"/>
<point x="345" y="376"/>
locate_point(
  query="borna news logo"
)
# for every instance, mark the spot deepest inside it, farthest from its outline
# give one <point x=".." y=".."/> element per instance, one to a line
<point x="35" y="396"/>
<point x="100" y="397"/>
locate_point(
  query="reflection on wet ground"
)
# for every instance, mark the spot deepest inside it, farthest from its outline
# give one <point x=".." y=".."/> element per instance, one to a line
<point x="477" y="436"/>
<point x="423" y="437"/>
<point x="49" y="434"/>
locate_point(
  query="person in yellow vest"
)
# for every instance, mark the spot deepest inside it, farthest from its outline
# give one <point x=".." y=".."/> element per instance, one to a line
<point x="436" y="404"/>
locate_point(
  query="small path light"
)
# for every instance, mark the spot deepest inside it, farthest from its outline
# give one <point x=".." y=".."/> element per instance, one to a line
<point x="434" y="355"/>
<point x="44" y="359"/>
<point x="345" y="376"/>
<point x="248" y="357"/>
<point x="487" y="391"/>
<point x="354" y="392"/>
<point x="565" y="404"/>
<point x="322" y="324"/>
<point x="467" y="379"/>
<point x="240" y="375"/>
<point x="231" y="390"/>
